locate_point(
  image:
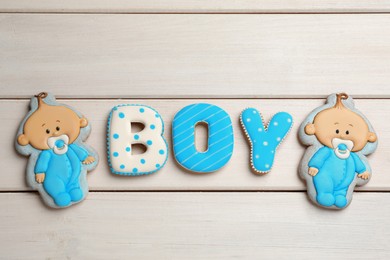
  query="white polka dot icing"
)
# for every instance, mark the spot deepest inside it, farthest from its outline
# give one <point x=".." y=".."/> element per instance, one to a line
<point x="120" y="140"/>
<point x="264" y="140"/>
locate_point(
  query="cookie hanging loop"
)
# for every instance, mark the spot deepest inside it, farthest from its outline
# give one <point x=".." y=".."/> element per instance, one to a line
<point x="340" y="96"/>
<point x="40" y="98"/>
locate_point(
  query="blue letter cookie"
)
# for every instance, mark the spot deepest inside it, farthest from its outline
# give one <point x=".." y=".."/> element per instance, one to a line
<point x="53" y="136"/>
<point x="220" y="139"/>
<point x="264" y="140"/>
<point x="339" y="138"/>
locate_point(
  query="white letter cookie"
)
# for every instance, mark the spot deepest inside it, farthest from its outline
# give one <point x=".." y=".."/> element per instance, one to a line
<point x="120" y="139"/>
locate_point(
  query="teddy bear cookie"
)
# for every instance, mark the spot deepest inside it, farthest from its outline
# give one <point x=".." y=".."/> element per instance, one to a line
<point x="53" y="136"/>
<point x="339" y="138"/>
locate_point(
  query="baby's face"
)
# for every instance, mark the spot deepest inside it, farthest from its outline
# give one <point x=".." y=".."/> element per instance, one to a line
<point x="50" y="121"/>
<point x="343" y="124"/>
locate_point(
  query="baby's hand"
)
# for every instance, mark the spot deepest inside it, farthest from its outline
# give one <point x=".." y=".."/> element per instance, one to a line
<point x="364" y="175"/>
<point x="39" y="177"/>
<point x="313" y="171"/>
<point x="89" y="160"/>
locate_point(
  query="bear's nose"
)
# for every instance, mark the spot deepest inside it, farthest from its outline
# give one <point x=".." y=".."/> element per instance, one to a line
<point x="342" y="147"/>
<point x="59" y="143"/>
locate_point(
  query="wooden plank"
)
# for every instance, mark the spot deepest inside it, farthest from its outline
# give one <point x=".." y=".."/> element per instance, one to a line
<point x="194" y="56"/>
<point x="195" y="6"/>
<point x="236" y="175"/>
<point x="195" y="226"/>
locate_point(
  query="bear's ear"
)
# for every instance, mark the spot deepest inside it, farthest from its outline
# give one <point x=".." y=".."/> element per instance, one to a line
<point x="371" y="137"/>
<point x="310" y="129"/>
<point x="23" y="140"/>
<point x="83" y="122"/>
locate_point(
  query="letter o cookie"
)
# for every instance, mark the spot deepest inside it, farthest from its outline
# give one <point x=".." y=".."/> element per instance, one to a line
<point x="220" y="139"/>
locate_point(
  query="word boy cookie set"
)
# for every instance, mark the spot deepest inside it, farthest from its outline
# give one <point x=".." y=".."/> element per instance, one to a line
<point x="53" y="135"/>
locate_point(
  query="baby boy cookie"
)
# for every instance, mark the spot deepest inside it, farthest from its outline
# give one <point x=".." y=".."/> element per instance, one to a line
<point x="53" y="136"/>
<point x="120" y="139"/>
<point x="339" y="138"/>
<point x="264" y="140"/>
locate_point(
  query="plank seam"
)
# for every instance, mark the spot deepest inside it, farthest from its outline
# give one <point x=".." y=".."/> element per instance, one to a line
<point x="196" y="191"/>
<point x="200" y="12"/>
<point x="189" y="98"/>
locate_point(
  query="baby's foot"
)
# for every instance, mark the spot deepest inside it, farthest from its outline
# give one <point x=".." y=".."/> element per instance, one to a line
<point x="325" y="199"/>
<point x="76" y="194"/>
<point x="341" y="201"/>
<point x="62" y="199"/>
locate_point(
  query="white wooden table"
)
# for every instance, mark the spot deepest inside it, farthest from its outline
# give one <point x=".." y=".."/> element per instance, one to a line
<point x="272" y="55"/>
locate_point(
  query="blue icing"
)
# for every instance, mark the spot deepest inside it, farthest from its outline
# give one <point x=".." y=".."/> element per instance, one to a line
<point x="128" y="149"/>
<point x="143" y="161"/>
<point x="122" y="166"/>
<point x="60" y="143"/>
<point x="342" y="147"/>
<point x="264" y="141"/>
<point x="65" y="180"/>
<point x="141" y="110"/>
<point x="152" y="126"/>
<point x="115" y="154"/>
<point x="135" y="170"/>
<point x="332" y="185"/>
<point x="333" y="164"/>
<point x="116" y="136"/>
<point x="121" y="115"/>
<point x="220" y="139"/>
<point x="62" y="172"/>
<point x="136" y="137"/>
<point x="161" y="152"/>
<point x="149" y="142"/>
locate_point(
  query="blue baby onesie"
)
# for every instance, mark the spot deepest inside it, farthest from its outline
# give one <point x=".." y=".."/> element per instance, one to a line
<point x="334" y="176"/>
<point x="62" y="174"/>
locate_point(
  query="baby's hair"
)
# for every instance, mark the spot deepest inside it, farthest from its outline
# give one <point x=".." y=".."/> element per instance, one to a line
<point x="340" y="97"/>
<point x="40" y="98"/>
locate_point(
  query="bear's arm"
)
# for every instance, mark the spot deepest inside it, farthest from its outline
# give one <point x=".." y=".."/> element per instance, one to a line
<point x="81" y="153"/>
<point x="42" y="162"/>
<point x="319" y="158"/>
<point x="359" y="165"/>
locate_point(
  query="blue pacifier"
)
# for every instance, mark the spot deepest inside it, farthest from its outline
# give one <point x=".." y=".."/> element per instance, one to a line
<point x="342" y="148"/>
<point x="60" y="143"/>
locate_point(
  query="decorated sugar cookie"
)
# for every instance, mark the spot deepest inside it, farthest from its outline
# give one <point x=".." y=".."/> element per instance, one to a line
<point x="339" y="138"/>
<point x="53" y="136"/>
<point x="120" y="139"/>
<point x="220" y="139"/>
<point x="264" y="140"/>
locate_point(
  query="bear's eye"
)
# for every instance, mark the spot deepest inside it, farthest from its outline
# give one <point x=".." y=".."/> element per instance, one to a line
<point x="47" y="131"/>
<point x="58" y="128"/>
<point x="337" y="131"/>
<point x="347" y="132"/>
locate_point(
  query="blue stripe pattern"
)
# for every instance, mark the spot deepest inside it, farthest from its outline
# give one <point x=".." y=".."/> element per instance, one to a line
<point x="220" y="139"/>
